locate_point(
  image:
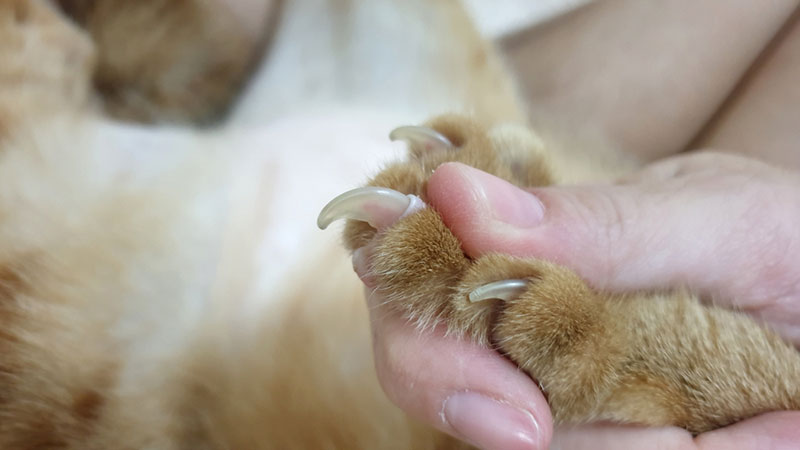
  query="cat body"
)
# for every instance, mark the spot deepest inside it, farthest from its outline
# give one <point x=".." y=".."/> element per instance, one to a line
<point x="165" y="287"/>
<point x="154" y="294"/>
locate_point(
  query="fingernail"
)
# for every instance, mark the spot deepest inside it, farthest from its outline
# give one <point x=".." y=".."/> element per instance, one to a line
<point x="491" y="424"/>
<point x="506" y="202"/>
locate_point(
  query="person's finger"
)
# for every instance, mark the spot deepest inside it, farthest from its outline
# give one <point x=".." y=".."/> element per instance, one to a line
<point x="467" y="391"/>
<point x="771" y="431"/>
<point x="698" y="165"/>
<point x="726" y="233"/>
<point x="620" y="437"/>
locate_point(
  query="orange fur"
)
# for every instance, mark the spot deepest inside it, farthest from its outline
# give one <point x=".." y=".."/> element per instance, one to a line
<point x="120" y="300"/>
<point x="648" y="359"/>
<point x="120" y="304"/>
<point x="167" y="60"/>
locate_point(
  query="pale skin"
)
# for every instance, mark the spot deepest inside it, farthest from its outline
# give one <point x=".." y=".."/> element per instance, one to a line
<point x="653" y="75"/>
<point x="740" y="211"/>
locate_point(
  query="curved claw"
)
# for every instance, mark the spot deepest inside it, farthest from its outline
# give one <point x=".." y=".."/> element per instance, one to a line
<point x="428" y="137"/>
<point x="378" y="206"/>
<point x="502" y="290"/>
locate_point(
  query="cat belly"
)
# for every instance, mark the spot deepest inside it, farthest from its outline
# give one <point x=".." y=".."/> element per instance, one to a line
<point x="294" y="166"/>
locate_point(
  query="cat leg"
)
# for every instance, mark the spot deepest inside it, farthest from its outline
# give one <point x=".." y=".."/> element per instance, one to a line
<point x="165" y="60"/>
<point x="649" y="359"/>
<point x="642" y="359"/>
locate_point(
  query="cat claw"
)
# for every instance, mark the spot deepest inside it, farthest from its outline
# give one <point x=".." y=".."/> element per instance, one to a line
<point x="428" y="137"/>
<point x="378" y="206"/>
<point x="501" y="290"/>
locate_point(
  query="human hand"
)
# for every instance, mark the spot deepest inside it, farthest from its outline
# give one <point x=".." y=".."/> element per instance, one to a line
<point x="721" y="225"/>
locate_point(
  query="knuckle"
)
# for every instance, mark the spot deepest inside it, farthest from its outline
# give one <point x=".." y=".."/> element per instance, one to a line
<point x="607" y="221"/>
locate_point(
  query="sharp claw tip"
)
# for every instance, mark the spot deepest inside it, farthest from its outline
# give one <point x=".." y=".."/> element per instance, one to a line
<point x="324" y="219"/>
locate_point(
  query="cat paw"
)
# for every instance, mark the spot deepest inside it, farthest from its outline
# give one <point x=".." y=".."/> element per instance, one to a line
<point x="416" y="261"/>
<point x="512" y="304"/>
<point x="648" y="359"/>
<point x="510" y="152"/>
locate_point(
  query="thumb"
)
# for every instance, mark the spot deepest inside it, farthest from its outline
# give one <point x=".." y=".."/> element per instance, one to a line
<point x="722" y="229"/>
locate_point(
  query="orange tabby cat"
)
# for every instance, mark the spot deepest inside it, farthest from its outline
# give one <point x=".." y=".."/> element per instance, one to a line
<point x="149" y="298"/>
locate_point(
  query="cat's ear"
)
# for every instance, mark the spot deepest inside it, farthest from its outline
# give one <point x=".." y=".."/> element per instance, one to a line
<point x="422" y="141"/>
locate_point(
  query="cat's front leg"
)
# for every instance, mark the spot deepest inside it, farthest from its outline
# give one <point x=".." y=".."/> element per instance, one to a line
<point x="171" y="61"/>
<point x="644" y="359"/>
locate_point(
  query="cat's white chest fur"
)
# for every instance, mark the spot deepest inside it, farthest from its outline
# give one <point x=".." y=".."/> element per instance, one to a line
<point x="258" y="191"/>
<point x="295" y="166"/>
